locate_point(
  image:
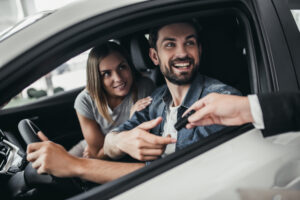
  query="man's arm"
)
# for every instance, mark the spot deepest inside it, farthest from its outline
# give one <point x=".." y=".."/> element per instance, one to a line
<point x="281" y="112"/>
<point x="51" y="158"/>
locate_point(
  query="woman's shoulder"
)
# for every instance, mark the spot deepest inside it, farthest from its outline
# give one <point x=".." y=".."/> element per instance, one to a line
<point x="83" y="96"/>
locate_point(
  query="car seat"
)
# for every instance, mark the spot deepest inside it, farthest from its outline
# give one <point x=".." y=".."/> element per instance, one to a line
<point x="139" y="51"/>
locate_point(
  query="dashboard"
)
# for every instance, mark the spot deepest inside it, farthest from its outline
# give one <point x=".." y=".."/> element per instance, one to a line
<point x="12" y="159"/>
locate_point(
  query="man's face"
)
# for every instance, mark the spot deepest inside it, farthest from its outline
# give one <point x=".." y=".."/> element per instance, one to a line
<point x="177" y="53"/>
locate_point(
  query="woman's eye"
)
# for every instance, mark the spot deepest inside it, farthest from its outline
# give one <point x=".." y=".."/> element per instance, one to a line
<point x="105" y="74"/>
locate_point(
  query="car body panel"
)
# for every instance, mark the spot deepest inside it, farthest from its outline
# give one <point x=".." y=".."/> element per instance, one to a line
<point x="222" y="171"/>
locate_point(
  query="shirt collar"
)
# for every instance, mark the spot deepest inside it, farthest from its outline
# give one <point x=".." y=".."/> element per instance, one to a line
<point x="192" y="95"/>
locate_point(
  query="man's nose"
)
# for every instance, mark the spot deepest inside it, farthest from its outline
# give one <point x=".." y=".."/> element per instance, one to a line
<point x="181" y="51"/>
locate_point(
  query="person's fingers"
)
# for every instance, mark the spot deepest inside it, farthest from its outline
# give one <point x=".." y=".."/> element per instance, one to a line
<point x="33" y="156"/>
<point x="143" y="104"/>
<point x="42" y="170"/>
<point x="158" y="140"/>
<point x="36" y="164"/>
<point x="146" y="100"/>
<point x="189" y="126"/>
<point x="34" y="146"/>
<point x="42" y="136"/>
<point x="85" y="154"/>
<point x="200" y="114"/>
<point x="150" y="124"/>
<point x="148" y="158"/>
<point x="152" y="152"/>
<point x="196" y="106"/>
<point x="144" y="144"/>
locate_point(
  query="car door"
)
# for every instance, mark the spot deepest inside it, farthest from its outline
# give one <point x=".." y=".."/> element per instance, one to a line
<point x="237" y="162"/>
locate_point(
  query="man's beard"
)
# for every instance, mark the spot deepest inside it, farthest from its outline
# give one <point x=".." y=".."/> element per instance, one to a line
<point x="184" y="78"/>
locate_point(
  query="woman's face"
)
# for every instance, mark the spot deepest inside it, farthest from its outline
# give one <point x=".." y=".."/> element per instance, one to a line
<point x="116" y="75"/>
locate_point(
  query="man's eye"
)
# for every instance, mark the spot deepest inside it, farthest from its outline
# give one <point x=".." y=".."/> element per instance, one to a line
<point x="170" y="44"/>
<point x="190" y="43"/>
<point x="122" y="67"/>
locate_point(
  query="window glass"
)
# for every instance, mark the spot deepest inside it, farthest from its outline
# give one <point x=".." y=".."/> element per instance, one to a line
<point x="69" y="75"/>
<point x="296" y="15"/>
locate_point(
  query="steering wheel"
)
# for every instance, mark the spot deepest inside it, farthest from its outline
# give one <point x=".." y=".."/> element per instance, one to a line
<point x="28" y="131"/>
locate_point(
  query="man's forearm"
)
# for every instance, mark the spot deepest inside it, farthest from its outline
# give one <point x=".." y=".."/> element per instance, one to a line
<point x="110" y="146"/>
<point x="101" y="171"/>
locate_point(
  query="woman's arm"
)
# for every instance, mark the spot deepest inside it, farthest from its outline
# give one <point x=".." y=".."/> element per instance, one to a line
<point x="93" y="137"/>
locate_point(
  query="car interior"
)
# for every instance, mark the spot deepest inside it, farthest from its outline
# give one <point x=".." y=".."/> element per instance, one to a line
<point x="225" y="57"/>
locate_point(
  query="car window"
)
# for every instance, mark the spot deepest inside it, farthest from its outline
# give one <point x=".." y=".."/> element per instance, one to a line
<point x="296" y="15"/>
<point x="69" y="75"/>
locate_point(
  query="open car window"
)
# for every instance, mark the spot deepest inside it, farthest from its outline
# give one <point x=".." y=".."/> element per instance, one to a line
<point x="68" y="76"/>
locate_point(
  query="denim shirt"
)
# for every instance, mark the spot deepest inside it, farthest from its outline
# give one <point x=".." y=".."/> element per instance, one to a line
<point x="161" y="97"/>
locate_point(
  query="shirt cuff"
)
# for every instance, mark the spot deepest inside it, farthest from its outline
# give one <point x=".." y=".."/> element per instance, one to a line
<point x="256" y="112"/>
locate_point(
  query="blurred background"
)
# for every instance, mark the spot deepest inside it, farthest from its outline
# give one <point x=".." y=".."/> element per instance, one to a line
<point x="16" y="12"/>
<point x="13" y="11"/>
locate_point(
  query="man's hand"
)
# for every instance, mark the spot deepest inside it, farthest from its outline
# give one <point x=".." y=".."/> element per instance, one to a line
<point x="142" y="145"/>
<point x="220" y="109"/>
<point x="48" y="157"/>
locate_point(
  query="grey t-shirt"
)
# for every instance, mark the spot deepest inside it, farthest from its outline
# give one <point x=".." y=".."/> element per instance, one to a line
<point x="86" y="106"/>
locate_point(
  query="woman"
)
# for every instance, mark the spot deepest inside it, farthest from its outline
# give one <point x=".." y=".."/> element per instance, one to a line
<point x="110" y="97"/>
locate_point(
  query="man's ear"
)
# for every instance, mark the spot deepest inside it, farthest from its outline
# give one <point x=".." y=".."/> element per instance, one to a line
<point x="153" y="55"/>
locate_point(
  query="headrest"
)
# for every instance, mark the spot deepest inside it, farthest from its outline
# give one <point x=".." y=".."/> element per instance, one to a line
<point x="139" y="50"/>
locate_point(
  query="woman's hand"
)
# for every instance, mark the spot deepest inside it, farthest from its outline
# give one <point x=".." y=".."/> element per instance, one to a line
<point x="140" y="105"/>
<point x="87" y="153"/>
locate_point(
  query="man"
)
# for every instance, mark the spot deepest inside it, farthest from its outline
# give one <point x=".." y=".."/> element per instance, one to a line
<point x="176" y="48"/>
<point x="273" y="113"/>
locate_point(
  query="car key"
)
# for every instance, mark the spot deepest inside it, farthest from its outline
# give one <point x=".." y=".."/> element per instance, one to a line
<point x="183" y="120"/>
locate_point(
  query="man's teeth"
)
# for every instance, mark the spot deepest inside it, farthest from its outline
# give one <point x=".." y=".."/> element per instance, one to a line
<point x="181" y="65"/>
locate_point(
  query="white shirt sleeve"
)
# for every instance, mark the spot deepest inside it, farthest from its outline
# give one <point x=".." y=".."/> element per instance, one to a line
<point x="256" y="112"/>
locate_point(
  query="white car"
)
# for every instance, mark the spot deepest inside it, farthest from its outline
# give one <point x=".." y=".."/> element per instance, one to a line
<point x="252" y="45"/>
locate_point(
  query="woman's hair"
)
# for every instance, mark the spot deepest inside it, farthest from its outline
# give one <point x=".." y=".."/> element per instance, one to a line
<point x="94" y="82"/>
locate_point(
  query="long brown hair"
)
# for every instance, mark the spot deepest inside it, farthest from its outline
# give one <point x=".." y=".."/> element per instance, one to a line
<point x="94" y="83"/>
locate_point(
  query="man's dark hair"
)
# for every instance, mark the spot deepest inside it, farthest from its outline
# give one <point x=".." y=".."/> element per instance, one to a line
<point x="153" y="33"/>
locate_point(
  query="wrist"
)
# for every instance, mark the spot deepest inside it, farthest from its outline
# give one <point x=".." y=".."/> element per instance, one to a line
<point x="246" y="111"/>
<point x="120" y="139"/>
<point x="112" y="146"/>
<point x="77" y="166"/>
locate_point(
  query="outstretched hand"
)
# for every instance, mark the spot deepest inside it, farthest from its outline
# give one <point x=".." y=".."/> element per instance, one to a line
<point x="142" y="145"/>
<point x="220" y="109"/>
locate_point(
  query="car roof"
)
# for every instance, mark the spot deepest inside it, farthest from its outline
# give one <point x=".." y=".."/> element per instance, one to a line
<point x="39" y="31"/>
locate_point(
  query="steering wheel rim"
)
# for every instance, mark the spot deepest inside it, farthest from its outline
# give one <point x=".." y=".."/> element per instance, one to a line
<point x="28" y="131"/>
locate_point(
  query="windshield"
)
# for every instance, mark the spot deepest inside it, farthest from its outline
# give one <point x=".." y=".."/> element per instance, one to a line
<point x="23" y="24"/>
